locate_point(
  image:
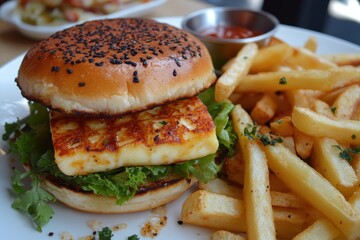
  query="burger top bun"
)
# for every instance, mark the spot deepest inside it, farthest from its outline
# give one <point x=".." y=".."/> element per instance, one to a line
<point x="115" y="66"/>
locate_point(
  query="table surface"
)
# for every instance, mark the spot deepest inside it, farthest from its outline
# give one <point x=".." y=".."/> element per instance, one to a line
<point x="12" y="43"/>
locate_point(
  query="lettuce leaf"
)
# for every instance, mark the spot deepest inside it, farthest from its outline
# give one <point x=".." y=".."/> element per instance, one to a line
<point x="204" y="169"/>
<point x="220" y="114"/>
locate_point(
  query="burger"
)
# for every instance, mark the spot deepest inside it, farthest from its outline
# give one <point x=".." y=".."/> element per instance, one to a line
<point x="116" y="124"/>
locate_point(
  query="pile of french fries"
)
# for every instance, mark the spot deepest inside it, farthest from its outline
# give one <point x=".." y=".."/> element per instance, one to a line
<point x="296" y="173"/>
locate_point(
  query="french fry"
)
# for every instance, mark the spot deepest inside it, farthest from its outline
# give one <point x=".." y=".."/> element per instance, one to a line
<point x="323" y="108"/>
<point x="287" y="200"/>
<point x="315" y="79"/>
<point x="274" y="41"/>
<point x="259" y="215"/>
<point x="286" y="80"/>
<point x="336" y="170"/>
<point x="269" y="57"/>
<point x="221" y="187"/>
<point x="278" y="199"/>
<point x="321" y="229"/>
<point x="246" y="100"/>
<point x="356" y="115"/>
<point x="316" y="190"/>
<point x="227" y="65"/>
<point x="225" y="235"/>
<point x="290" y="144"/>
<point x="277" y="184"/>
<point x="303" y="144"/>
<point x="238" y="69"/>
<point x="289" y="222"/>
<point x="303" y="58"/>
<point x="347" y="102"/>
<point x="264" y="109"/>
<point x="355" y="199"/>
<point x="330" y="96"/>
<point x="234" y="169"/>
<point x="283" y="126"/>
<point x="317" y="125"/>
<point x="311" y="44"/>
<point x="356" y="165"/>
<point x="301" y="98"/>
<point x="217" y="211"/>
<point x="344" y="59"/>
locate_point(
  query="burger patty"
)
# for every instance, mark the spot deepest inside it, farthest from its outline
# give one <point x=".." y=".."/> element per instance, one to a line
<point x="176" y="132"/>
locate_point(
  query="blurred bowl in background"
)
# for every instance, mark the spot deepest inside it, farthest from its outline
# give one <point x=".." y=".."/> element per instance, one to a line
<point x="224" y="30"/>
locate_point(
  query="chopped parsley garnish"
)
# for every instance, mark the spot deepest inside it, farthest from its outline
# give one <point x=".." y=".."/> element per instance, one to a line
<point x="134" y="237"/>
<point x="105" y="234"/>
<point x="345" y="153"/>
<point x="333" y="109"/>
<point x="283" y="81"/>
<point x="163" y="122"/>
<point x="253" y="134"/>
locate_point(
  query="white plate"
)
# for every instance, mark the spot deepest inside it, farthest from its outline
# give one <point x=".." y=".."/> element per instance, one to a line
<point x="40" y="32"/>
<point x="15" y="225"/>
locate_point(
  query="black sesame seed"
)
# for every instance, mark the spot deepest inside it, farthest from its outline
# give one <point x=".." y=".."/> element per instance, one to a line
<point x="156" y="138"/>
<point x="133" y="52"/>
<point x="51" y="234"/>
<point x="174" y="73"/>
<point x="78" y="61"/>
<point x="55" y="69"/>
<point x="99" y="64"/>
<point x="69" y="71"/>
<point x="81" y="84"/>
<point x="130" y="63"/>
<point x="136" y="79"/>
<point x="135" y="73"/>
<point x="180" y="222"/>
<point x="91" y="60"/>
<point x="184" y="56"/>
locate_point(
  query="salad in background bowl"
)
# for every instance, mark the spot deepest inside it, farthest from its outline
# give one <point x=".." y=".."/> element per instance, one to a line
<point x="38" y="19"/>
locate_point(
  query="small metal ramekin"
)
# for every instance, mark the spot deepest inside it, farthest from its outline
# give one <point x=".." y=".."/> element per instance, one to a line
<point x="223" y="49"/>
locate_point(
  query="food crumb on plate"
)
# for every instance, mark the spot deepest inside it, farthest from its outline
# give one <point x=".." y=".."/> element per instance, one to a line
<point x="66" y="236"/>
<point x="161" y="210"/>
<point x="90" y="237"/>
<point x="94" y="224"/>
<point x="118" y="227"/>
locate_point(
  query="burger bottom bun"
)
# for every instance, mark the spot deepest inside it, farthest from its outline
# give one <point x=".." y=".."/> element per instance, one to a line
<point x="89" y="202"/>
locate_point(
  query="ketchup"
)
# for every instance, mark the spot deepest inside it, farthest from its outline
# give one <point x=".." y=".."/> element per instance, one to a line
<point x="230" y="32"/>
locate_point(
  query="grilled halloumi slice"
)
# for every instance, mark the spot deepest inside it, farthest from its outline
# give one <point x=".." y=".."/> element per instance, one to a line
<point x="176" y="132"/>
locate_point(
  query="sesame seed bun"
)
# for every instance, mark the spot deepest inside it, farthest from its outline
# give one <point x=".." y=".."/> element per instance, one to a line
<point x="115" y="66"/>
